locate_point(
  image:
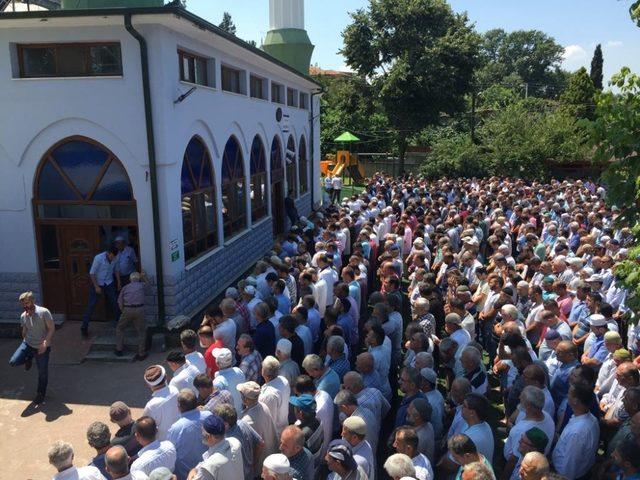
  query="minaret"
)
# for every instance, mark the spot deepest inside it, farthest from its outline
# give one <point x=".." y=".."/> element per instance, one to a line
<point x="287" y="40"/>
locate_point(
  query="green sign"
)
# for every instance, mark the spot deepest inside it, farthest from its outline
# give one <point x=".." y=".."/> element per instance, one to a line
<point x="175" y="255"/>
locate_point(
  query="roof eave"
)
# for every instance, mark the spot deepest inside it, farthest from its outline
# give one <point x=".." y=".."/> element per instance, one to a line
<point x="168" y="9"/>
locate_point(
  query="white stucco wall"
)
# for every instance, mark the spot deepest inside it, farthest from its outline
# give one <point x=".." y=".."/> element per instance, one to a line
<point x="37" y="113"/>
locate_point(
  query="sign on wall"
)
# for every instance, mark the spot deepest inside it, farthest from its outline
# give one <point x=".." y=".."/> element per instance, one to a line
<point x="174" y="249"/>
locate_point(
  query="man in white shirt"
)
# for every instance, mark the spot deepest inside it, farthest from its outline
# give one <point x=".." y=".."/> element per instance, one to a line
<point x="336" y="183"/>
<point x="406" y="442"/>
<point x="329" y="275"/>
<point x="223" y="459"/>
<point x="61" y="457"/>
<point x="183" y="372"/>
<point x="257" y="415"/>
<point x="575" y="451"/>
<point x="233" y="375"/>
<point x="189" y="343"/>
<point x="275" y="393"/>
<point x="163" y="405"/>
<point x="324" y="406"/>
<point x="154" y="453"/>
<point x="226" y="329"/>
<point x="532" y="403"/>
<point x="354" y="432"/>
<point x="250" y="298"/>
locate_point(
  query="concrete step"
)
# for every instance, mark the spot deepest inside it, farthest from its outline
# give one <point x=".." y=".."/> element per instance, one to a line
<point x="109" y="356"/>
<point x="108" y="342"/>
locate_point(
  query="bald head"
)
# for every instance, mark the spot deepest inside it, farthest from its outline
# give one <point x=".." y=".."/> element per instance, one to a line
<point x="565" y="349"/>
<point x="117" y="461"/>
<point x="534" y="466"/>
<point x="353" y="382"/>
<point x="364" y="363"/>
<point x="510" y="327"/>
<point x="627" y="375"/>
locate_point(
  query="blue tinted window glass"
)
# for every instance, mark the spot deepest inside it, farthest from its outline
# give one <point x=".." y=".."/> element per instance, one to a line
<point x="205" y="181"/>
<point x="257" y="157"/>
<point x="81" y="162"/>
<point x="276" y="154"/>
<point x="114" y="185"/>
<point x="186" y="182"/>
<point x="232" y="161"/>
<point x="51" y="186"/>
<point x="195" y="151"/>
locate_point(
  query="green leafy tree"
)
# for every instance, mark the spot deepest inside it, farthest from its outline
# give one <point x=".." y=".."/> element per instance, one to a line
<point x="227" y="24"/>
<point x="520" y="139"/>
<point x="616" y="137"/>
<point x="578" y="97"/>
<point x="418" y="55"/>
<point x="349" y="104"/>
<point x="634" y="11"/>
<point x="596" y="67"/>
<point x="531" y="55"/>
<point x="456" y="155"/>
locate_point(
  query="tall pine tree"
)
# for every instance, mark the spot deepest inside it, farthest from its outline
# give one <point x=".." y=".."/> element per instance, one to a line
<point x="596" y="68"/>
<point x="227" y="24"/>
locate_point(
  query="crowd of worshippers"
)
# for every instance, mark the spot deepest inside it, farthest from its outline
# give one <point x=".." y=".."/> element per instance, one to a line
<point x="457" y="329"/>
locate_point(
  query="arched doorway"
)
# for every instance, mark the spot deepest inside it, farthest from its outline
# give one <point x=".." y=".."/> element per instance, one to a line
<point x="277" y="186"/>
<point x="82" y="201"/>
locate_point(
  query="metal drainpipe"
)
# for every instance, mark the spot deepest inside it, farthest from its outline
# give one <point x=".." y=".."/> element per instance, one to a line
<point x="153" y="176"/>
<point x="312" y="141"/>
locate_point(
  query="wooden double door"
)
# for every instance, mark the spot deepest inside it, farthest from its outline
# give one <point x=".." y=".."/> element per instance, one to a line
<point x="65" y="276"/>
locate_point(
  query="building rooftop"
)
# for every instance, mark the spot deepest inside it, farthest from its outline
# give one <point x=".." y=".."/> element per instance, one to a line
<point x="174" y="8"/>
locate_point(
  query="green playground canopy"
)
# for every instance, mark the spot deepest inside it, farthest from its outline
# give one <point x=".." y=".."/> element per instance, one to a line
<point x="347" y="137"/>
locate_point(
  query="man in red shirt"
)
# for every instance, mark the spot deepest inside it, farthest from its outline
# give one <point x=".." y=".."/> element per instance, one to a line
<point x="205" y="334"/>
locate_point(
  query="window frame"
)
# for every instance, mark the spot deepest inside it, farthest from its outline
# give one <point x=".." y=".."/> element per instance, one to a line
<point x="303" y="164"/>
<point x="280" y="89"/>
<point x="259" y="210"/>
<point x="237" y="221"/>
<point x="264" y="87"/>
<point x="304" y="105"/>
<point x="241" y="85"/>
<point x="197" y="193"/>
<point x="22" y="47"/>
<point x="292" y="97"/>
<point x="182" y="54"/>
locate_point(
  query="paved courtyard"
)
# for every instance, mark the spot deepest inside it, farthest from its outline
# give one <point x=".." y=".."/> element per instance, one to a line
<point x="79" y="393"/>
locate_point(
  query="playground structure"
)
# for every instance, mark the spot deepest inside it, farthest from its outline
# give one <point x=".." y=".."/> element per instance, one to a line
<point x="345" y="161"/>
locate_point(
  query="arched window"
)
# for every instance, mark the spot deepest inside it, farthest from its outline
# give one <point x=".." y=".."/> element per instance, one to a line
<point x="303" y="166"/>
<point x="291" y="166"/>
<point x="79" y="178"/>
<point x="258" y="180"/>
<point x="277" y="170"/>
<point x="234" y="191"/>
<point x="199" y="213"/>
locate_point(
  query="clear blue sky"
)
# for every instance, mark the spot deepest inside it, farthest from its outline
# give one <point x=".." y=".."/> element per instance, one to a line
<point x="578" y="25"/>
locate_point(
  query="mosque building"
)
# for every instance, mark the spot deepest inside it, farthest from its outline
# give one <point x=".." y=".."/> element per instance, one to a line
<point x="137" y="119"/>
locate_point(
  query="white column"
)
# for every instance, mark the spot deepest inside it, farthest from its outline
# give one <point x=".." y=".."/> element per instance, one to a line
<point x="286" y="14"/>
